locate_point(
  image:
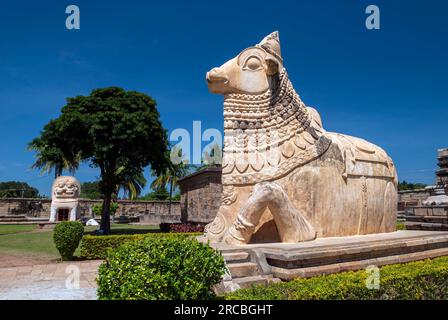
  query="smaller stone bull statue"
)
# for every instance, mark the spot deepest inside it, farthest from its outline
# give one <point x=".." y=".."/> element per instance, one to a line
<point x="284" y="177"/>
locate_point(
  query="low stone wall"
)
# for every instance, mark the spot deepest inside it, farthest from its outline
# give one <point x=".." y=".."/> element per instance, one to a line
<point x="150" y="211"/>
<point x="24" y="206"/>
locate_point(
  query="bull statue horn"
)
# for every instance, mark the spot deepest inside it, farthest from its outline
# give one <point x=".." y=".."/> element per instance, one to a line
<point x="271" y="44"/>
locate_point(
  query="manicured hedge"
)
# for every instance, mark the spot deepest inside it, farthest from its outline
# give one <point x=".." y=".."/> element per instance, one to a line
<point x="96" y="247"/>
<point x="159" y="268"/>
<point x="420" y="280"/>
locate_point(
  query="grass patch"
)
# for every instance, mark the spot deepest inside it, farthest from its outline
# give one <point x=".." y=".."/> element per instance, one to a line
<point x="28" y="239"/>
<point x="16" y="228"/>
<point x="117" y="229"/>
<point x="37" y="242"/>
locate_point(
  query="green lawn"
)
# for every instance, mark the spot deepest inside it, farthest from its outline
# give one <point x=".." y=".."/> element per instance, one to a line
<point x="39" y="242"/>
<point x="28" y="239"/>
<point x="16" y="228"/>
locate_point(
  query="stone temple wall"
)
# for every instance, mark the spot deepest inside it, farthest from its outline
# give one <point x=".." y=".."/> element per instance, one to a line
<point x="150" y="211"/>
<point x="411" y="198"/>
<point x="201" y="195"/>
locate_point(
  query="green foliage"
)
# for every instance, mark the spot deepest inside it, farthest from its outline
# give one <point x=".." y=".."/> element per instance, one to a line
<point x="66" y="236"/>
<point x="91" y="190"/>
<point x="16" y="189"/>
<point x="96" y="247"/>
<point x="97" y="209"/>
<point x="52" y="150"/>
<point x="159" y="193"/>
<point x="418" y="280"/>
<point x="176" y="196"/>
<point x="160" y="268"/>
<point x="115" y="130"/>
<point x="403" y="186"/>
<point x="401" y="226"/>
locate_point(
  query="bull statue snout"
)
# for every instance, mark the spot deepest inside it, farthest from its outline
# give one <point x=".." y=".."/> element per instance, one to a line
<point x="252" y="71"/>
<point x="217" y="80"/>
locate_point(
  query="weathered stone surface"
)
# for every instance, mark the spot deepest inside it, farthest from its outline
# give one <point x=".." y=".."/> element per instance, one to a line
<point x="201" y="195"/>
<point x="279" y="163"/>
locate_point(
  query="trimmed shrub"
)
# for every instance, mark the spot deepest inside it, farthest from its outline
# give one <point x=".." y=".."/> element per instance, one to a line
<point x="96" y="247"/>
<point x="66" y="236"/>
<point x="420" y="280"/>
<point x="160" y="268"/>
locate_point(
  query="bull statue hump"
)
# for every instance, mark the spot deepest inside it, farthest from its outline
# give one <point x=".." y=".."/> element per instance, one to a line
<point x="286" y="179"/>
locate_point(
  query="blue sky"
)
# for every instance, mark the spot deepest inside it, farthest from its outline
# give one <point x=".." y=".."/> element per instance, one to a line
<point x="388" y="86"/>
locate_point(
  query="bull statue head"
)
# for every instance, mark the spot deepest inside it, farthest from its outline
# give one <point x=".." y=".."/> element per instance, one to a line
<point x="254" y="71"/>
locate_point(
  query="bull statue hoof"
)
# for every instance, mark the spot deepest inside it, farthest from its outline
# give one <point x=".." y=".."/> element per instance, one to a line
<point x="284" y="176"/>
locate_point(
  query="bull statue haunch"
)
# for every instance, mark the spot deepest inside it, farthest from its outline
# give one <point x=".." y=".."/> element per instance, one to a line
<point x="284" y="177"/>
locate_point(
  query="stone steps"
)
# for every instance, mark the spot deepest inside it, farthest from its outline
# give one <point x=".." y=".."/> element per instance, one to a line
<point x="426" y="226"/>
<point x="427" y="222"/>
<point x="9" y="216"/>
<point x="21" y="220"/>
<point x="239" y="256"/>
<point x="429" y="219"/>
<point x="243" y="269"/>
<point x="243" y="273"/>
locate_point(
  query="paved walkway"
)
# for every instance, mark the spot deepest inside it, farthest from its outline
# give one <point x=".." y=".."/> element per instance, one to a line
<point x="58" y="281"/>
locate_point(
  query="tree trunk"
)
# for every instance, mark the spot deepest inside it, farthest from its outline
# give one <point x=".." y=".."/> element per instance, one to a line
<point x="171" y="197"/>
<point x="57" y="171"/>
<point x="105" y="214"/>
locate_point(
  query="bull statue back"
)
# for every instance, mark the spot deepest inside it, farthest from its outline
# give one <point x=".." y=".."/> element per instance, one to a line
<point x="286" y="179"/>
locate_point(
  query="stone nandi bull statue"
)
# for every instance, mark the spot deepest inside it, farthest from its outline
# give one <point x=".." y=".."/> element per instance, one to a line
<point x="284" y="177"/>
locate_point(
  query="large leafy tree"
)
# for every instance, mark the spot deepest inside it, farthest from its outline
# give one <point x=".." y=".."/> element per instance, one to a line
<point x="17" y="189"/>
<point x="117" y="131"/>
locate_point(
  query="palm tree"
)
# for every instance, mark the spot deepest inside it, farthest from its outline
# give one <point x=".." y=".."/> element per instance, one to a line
<point x="172" y="175"/>
<point x="132" y="185"/>
<point x="52" y="160"/>
<point x="51" y="154"/>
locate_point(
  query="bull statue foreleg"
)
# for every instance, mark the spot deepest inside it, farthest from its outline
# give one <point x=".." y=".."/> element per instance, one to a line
<point x="291" y="224"/>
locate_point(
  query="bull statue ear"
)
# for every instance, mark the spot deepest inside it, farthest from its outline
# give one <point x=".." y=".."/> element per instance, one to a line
<point x="272" y="66"/>
<point x="271" y="44"/>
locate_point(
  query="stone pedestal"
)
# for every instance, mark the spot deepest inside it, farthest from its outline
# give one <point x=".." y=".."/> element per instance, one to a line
<point x="265" y="263"/>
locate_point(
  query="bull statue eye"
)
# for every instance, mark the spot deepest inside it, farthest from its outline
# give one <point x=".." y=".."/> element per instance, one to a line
<point x="253" y="64"/>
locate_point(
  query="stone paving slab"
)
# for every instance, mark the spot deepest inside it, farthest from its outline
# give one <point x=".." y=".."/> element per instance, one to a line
<point x="57" y="281"/>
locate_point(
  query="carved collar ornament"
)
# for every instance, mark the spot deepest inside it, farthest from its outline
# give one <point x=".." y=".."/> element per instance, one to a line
<point x="268" y="135"/>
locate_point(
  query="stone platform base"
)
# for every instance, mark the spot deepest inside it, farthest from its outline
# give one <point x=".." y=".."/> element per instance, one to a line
<point x="270" y="262"/>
